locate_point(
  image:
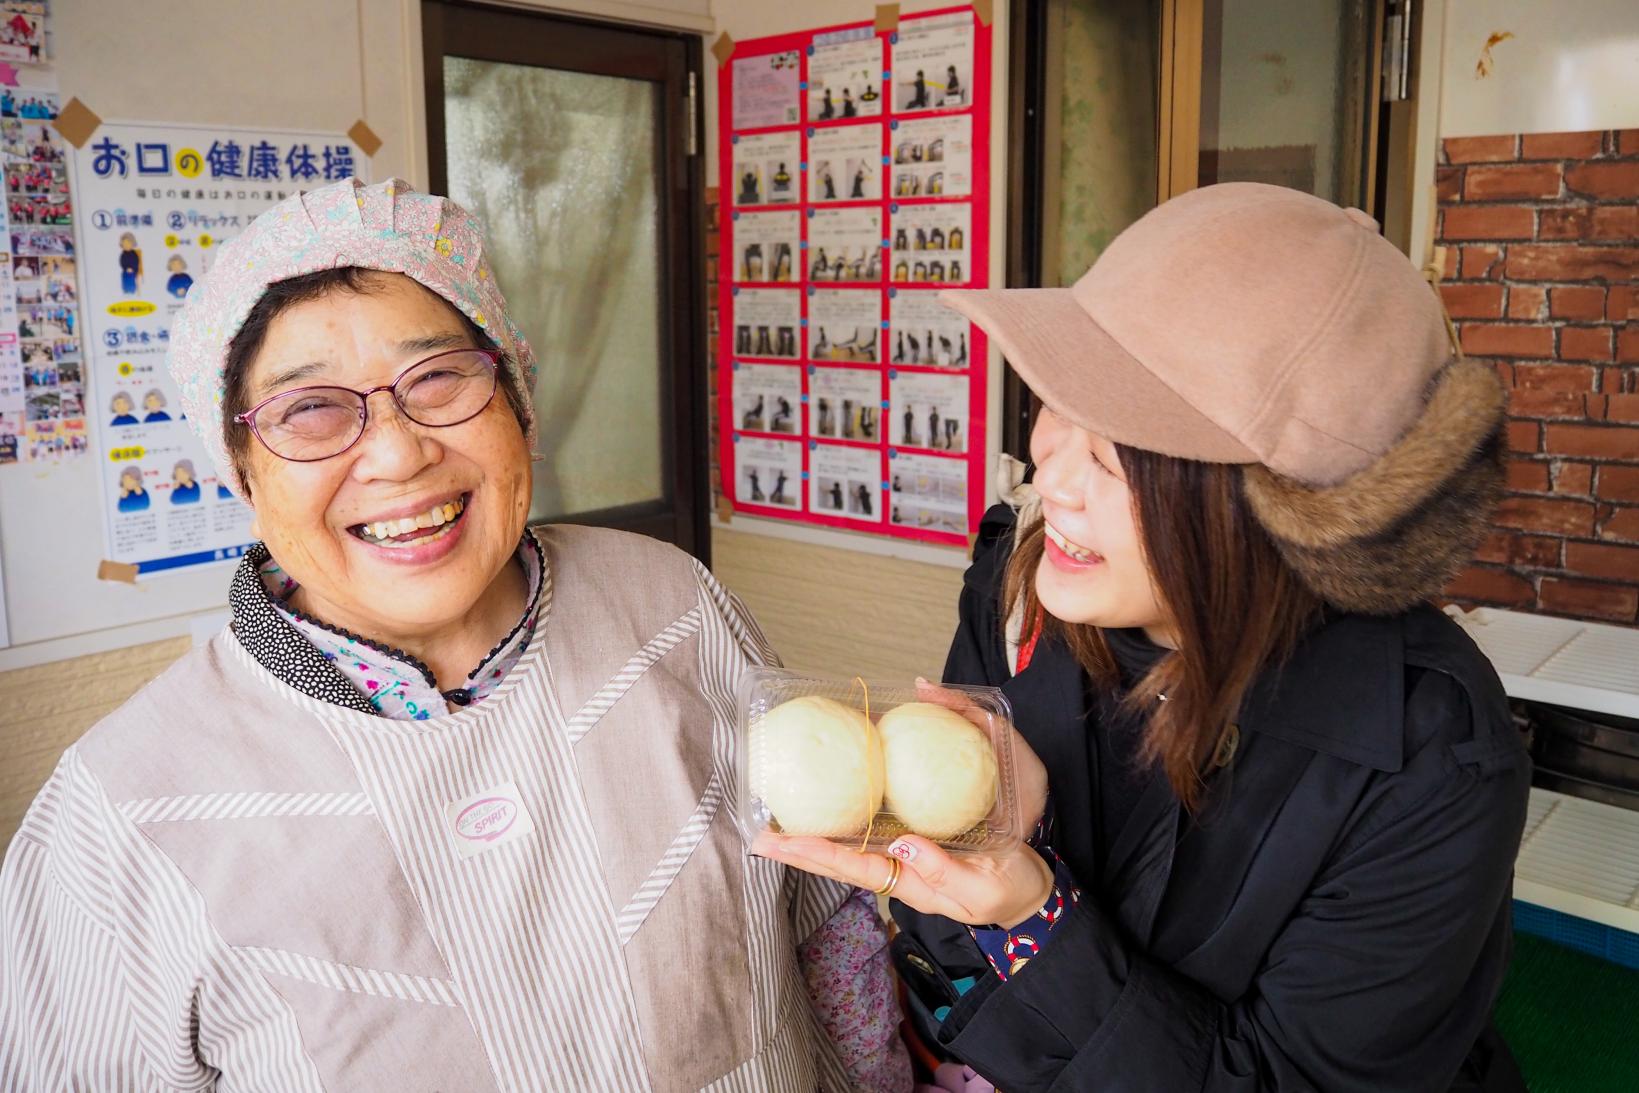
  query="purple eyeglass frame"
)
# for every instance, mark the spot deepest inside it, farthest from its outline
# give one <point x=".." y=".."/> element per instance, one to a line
<point x="248" y="418"/>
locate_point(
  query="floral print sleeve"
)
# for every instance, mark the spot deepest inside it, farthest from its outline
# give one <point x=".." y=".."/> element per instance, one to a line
<point x="845" y="965"/>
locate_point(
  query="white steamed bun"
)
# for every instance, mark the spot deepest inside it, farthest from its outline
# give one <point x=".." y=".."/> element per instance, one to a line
<point x="941" y="771"/>
<point x="817" y="765"/>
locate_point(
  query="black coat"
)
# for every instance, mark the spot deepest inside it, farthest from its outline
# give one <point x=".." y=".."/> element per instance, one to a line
<point x="1336" y="918"/>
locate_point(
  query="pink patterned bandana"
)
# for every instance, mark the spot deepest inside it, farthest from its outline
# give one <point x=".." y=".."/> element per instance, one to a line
<point x="388" y="226"/>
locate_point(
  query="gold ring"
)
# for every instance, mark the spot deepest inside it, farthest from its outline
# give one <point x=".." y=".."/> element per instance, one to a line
<point x="894" y="868"/>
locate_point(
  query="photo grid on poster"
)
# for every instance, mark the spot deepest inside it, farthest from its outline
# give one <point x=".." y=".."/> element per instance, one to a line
<point x="42" y="358"/>
<point x="768" y="472"/>
<point x="42" y="372"/>
<point x="923" y="332"/>
<point x="766" y="246"/>
<point x="23" y="32"/>
<point x="157" y="203"/>
<point x="768" y="398"/>
<point x="881" y="177"/>
<point x="926" y="492"/>
<point x="846" y="482"/>
<point x="766" y="322"/>
<point x="845" y="404"/>
<point x="845" y="244"/>
<point x="844" y="325"/>
<point x="766" y="169"/>
<point x="930" y="243"/>
<point x="928" y="411"/>
<point x="766" y="90"/>
<point x="845" y="163"/>
<point x="845" y="75"/>
<point x="932" y="157"/>
<point x="933" y="63"/>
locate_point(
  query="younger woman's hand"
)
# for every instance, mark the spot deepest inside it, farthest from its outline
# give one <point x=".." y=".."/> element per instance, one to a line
<point x="977" y="889"/>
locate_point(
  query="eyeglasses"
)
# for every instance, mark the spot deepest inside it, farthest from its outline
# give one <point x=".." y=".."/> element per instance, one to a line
<point x="307" y="424"/>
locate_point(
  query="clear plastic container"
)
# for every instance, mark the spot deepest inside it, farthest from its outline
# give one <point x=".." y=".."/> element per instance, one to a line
<point x="815" y="758"/>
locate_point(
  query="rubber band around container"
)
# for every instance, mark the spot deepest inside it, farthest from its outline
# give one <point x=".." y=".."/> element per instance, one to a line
<point x="870" y="821"/>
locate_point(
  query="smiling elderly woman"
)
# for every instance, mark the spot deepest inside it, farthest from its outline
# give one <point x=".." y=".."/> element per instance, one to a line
<point x="448" y="805"/>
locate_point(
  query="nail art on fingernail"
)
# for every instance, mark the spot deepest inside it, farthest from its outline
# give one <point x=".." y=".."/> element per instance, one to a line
<point x="902" y="850"/>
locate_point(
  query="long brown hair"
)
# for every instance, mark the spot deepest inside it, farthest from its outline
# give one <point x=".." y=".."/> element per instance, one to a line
<point x="1235" y="607"/>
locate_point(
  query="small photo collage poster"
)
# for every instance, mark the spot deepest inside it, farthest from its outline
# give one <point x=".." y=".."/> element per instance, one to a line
<point x="852" y="161"/>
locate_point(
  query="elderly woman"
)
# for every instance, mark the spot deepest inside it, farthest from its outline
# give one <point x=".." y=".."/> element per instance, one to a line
<point x="448" y="806"/>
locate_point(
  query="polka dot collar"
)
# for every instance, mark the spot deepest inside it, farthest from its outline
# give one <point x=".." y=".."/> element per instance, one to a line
<point x="353" y="671"/>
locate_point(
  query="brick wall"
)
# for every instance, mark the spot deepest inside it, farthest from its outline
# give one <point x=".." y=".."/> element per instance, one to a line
<point x="1542" y="254"/>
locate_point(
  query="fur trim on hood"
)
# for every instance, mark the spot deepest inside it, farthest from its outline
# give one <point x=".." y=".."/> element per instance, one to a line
<point x="1395" y="533"/>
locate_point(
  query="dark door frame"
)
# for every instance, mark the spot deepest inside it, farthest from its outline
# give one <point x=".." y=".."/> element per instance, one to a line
<point x="673" y="61"/>
<point x="1026" y="157"/>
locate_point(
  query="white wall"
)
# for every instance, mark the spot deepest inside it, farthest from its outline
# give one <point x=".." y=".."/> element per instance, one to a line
<point x="302" y="64"/>
<point x="294" y="65"/>
<point x="676" y="14"/>
<point x="290" y="64"/>
<point x="1570" y="66"/>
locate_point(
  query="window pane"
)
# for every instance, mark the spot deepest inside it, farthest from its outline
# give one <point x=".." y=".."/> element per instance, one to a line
<point x="1102" y="57"/>
<point x="1283" y="94"/>
<point x="561" y="166"/>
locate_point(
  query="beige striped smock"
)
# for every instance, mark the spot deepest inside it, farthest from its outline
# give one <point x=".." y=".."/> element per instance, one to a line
<point x="230" y="885"/>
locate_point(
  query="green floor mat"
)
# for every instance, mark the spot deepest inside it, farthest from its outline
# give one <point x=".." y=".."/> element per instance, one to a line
<point x="1572" y="1020"/>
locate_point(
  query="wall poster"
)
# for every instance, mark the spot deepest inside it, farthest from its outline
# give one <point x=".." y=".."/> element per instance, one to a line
<point x="155" y="204"/>
<point x="853" y="161"/>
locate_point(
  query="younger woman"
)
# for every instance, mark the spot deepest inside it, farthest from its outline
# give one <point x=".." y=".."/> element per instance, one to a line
<point x="1284" y="793"/>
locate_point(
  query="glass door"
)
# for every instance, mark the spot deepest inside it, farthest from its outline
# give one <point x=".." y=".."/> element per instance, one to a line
<point x="576" y="145"/>
<point x="1288" y="95"/>
<point x="1278" y="91"/>
<point x="1083" y="125"/>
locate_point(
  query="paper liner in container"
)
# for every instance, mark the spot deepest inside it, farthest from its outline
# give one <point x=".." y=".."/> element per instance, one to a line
<point x="831" y="755"/>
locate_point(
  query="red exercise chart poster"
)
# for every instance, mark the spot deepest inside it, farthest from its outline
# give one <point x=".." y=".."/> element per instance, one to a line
<point x="854" y="167"/>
